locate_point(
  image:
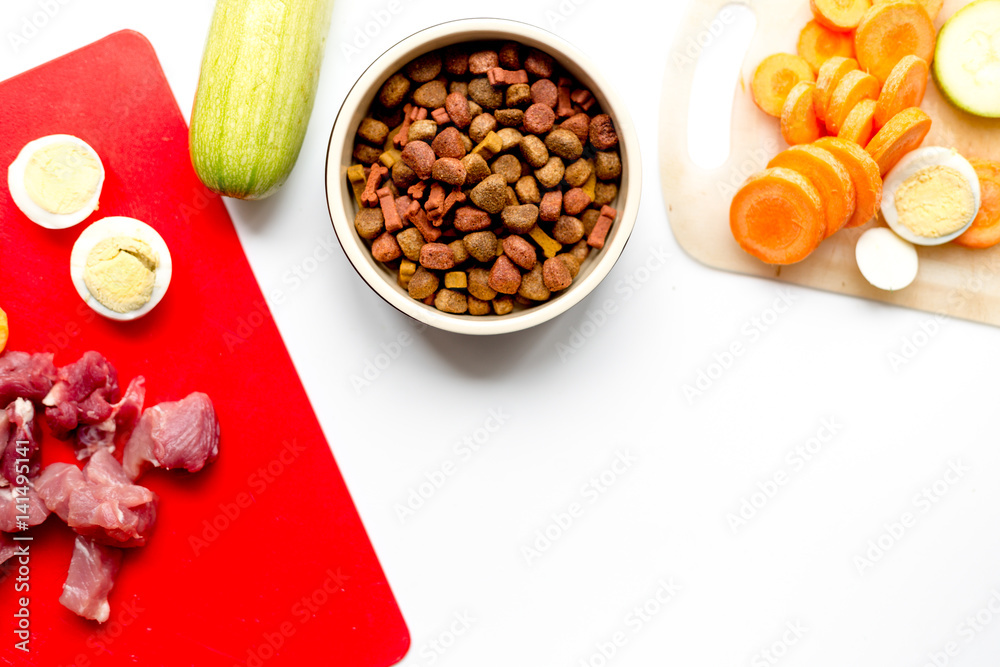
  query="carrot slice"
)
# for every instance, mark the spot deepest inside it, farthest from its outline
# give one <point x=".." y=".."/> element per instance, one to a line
<point x="829" y="76"/>
<point x="839" y="15"/>
<point x="799" y="124"/>
<point x="775" y="77"/>
<point x="985" y="229"/>
<point x="831" y="178"/>
<point x="864" y="173"/>
<point x="904" y="132"/>
<point x="891" y="31"/>
<point x="818" y="44"/>
<point x="904" y="88"/>
<point x="854" y="87"/>
<point x="933" y="7"/>
<point x="777" y="216"/>
<point x="859" y="126"/>
<point x="4" y="330"/>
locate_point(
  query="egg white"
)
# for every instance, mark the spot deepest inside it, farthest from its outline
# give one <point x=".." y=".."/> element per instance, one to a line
<point x="120" y="226"/>
<point x="885" y="260"/>
<point x="34" y="212"/>
<point x="911" y="164"/>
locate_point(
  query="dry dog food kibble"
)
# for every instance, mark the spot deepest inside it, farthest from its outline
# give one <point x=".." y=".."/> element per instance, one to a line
<point x="485" y="176"/>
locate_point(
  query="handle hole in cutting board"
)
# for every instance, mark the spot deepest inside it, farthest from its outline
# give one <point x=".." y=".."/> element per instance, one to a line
<point x="720" y="48"/>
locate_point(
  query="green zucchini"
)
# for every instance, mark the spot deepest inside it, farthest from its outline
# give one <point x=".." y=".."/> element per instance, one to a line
<point x="967" y="59"/>
<point x="256" y="92"/>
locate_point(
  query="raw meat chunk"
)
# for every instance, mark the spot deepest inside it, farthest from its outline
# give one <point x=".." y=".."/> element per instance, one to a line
<point x="55" y="485"/>
<point x="83" y="394"/>
<point x="116" y="428"/>
<point x="22" y="440"/>
<point x="180" y="434"/>
<point x="91" y="576"/>
<point x="24" y="375"/>
<point x="12" y="506"/>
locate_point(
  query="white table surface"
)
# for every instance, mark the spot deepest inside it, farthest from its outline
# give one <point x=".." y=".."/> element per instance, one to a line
<point x="817" y="371"/>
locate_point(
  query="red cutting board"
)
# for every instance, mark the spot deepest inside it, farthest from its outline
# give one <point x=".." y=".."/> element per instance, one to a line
<point x="284" y="573"/>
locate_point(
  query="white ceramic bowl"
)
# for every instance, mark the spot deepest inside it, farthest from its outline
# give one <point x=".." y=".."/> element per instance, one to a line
<point x="340" y="198"/>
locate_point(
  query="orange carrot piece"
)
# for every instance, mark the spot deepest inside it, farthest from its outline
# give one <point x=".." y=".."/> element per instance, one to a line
<point x="985" y="229"/>
<point x="831" y="178"/>
<point x="854" y="87"/>
<point x="839" y="15"/>
<point x="904" y="88"/>
<point x="818" y="44"/>
<point x="799" y="124"/>
<point x="864" y="173"/>
<point x="891" y="31"/>
<point x="859" y="126"/>
<point x="829" y="76"/>
<point x="4" y="330"/>
<point x="904" y="132"/>
<point x="933" y="7"/>
<point x="777" y="216"/>
<point x="775" y="77"/>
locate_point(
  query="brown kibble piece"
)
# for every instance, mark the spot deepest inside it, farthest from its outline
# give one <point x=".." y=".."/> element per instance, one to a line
<point x="534" y="151"/>
<point x="425" y="67"/>
<point x="448" y="143"/>
<point x="551" y="207"/>
<point x="457" y="107"/>
<point x="539" y="118"/>
<point x="608" y="165"/>
<point x="449" y="170"/>
<point x="567" y="230"/>
<point x="419" y="156"/>
<point x="507" y="166"/>
<point x="578" y="124"/>
<point x="366" y="154"/>
<point x="520" y="252"/>
<point x="510" y="55"/>
<point x="476" y="168"/>
<point x="578" y="173"/>
<point x="509" y="117"/>
<point x="484" y="94"/>
<point x="490" y="194"/>
<point x="552" y="173"/>
<point x="431" y="94"/>
<point x="402" y="175"/>
<point x="518" y="95"/>
<point x="571" y="262"/>
<point x="527" y="191"/>
<point x="520" y="219"/>
<point x="422" y="284"/>
<point x="394" y="91"/>
<point x="481" y="245"/>
<point x="385" y="248"/>
<point x="421" y="130"/>
<point x="479" y="284"/>
<point x="602" y="132"/>
<point x="504" y="276"/>
<point x="411" y="241"/>
<point x="481" y="62"/>
<point x="575" y="201"/>
<point x="482" y="125"/>
<point x="456" y="61"/>
<point x="510" y="138"/>
<point x="502" y="305"/>
<point x="605" y="194"/>
<point x="471" y="219"/>
<point x="373" y="131"/>
<point x="589" y="219"/>
<point x="545" y="92"/>
<point x="369" y="222"/>
<point x="538" y="64"/>
<point x="580" y="251"/>
<point x="459" y="251"/>
<point x="557" y="277"/>
<point x="478" y="307"/>
<point x="437" y="256"/>
<point x="533" y="285"/>
<point x="564" y="143"/>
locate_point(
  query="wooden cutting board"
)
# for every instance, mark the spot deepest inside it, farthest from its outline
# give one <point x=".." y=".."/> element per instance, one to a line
<point x="261" y="557"/>
<point x="953" y="281"/>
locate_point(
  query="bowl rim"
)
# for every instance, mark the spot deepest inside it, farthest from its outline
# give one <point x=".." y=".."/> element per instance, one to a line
<point x="359" y="256"/>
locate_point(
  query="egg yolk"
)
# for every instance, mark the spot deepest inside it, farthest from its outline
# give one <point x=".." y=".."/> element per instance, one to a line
<point x="62" y="178"/>
<point x="120" y="273"/>
<point x="935" y="201"/>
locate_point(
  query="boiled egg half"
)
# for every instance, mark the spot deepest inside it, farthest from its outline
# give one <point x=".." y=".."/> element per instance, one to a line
<point x="120" y="267"/>
<point x="56" y="181"/>
<point x="931" y="197"/>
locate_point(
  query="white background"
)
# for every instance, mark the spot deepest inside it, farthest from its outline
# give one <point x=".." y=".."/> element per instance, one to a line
<point x="825" y="359"/>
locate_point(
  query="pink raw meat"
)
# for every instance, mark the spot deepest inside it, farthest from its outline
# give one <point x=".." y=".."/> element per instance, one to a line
<point x="117" y="427"/>
<point x="180" y="434"/>
<point x="24" y="375"/>
<point x="22" y="441"/>
<point x="91" y="576"/>
<point x="55" y="485"/>
<point x="13" y="506"/>
<point x="83" y="394"/>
